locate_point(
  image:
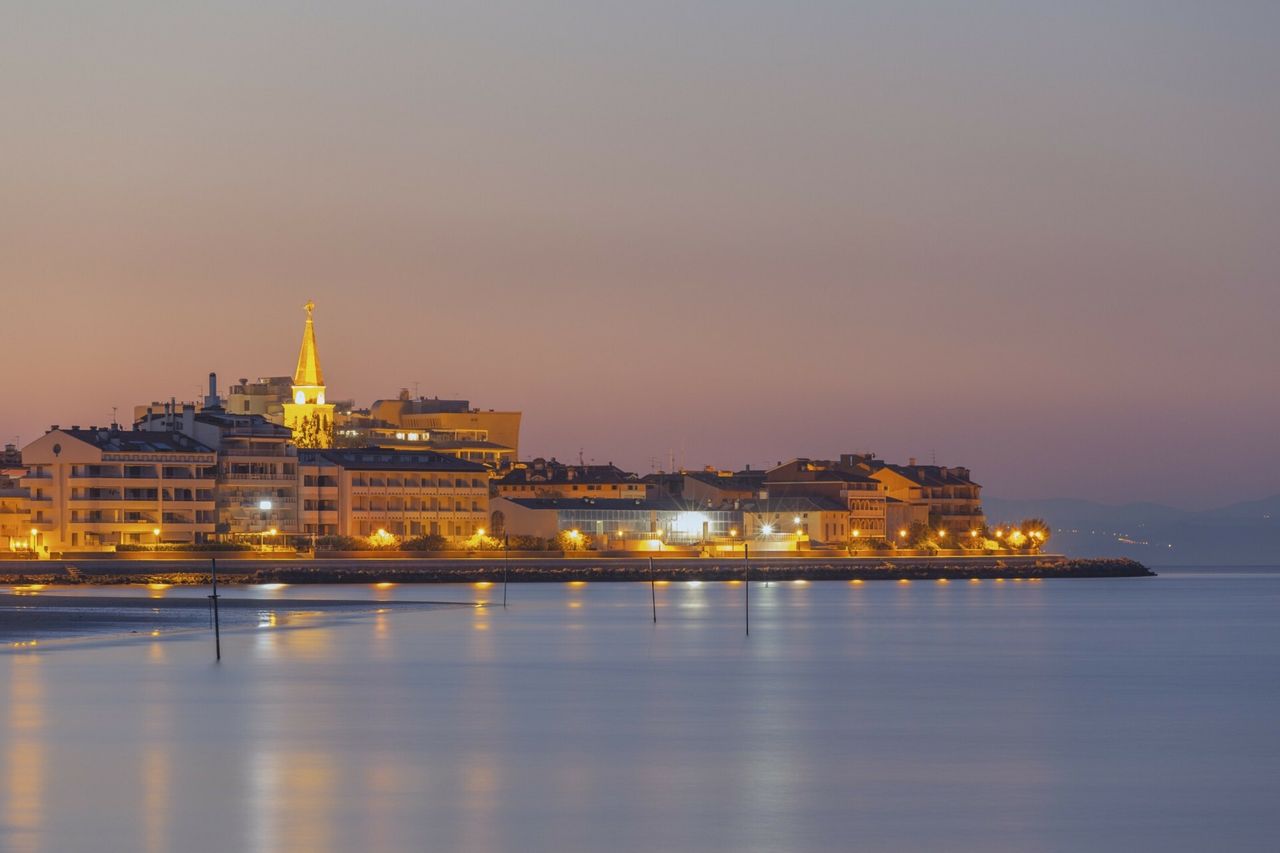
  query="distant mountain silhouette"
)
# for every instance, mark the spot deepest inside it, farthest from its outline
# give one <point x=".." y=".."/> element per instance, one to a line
<point x="1241" y="534"/>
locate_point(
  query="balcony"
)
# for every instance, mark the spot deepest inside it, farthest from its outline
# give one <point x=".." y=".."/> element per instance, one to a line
<point x="278" y="477"/>
<point x="275" y="452"/>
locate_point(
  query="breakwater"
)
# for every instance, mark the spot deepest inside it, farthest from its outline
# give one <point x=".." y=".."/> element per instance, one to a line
<point x="233" y="571"/>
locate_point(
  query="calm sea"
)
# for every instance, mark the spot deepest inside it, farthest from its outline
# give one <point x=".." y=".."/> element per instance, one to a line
<point x="1137" y="714"/>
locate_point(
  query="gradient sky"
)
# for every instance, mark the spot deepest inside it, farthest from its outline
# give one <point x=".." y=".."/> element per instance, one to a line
<point x="1037" y="239"/>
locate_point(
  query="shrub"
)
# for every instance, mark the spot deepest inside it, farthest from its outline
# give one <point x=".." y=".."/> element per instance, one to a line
<point x="529" y="543"/>
<point x="342" y="543"/>
<point x="181" y="546"/>
<point x="430" y="542"/>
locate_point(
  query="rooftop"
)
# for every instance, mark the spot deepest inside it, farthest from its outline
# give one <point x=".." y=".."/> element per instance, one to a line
<point x="801" y="503"/>
<point x="552" y="471"/>
<point x="137" y="441"/>
<point x="387" y="459"/>
<point x="930" y="475"/>
<point x="662" y="503"/>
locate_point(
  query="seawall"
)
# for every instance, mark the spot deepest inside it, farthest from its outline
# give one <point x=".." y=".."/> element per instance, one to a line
<point x="551" y="570"/>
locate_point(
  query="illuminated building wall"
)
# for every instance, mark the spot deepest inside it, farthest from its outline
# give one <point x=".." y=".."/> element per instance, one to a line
<point x="359" y="491"/>
<point x="15" y="513"/>
<point x="93" y="489"/>
<point x="613" y="522"/>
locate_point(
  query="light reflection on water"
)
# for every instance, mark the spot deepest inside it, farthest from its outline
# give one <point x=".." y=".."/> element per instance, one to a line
<point x="1074" y="715"/>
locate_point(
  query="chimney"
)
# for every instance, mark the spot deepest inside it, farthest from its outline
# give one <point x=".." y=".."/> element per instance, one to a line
<point x="911" y="461"/>
<point x="212" y="401"/>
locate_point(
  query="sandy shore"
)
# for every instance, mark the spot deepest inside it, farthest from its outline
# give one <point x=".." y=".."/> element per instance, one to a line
<point x="31" y="616"/>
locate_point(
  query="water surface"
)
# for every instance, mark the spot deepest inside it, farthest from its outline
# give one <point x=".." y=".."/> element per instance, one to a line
<point x="1059" y="715"/>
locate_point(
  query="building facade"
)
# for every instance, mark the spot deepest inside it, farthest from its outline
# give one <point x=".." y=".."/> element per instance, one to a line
<point x="810" y="520"/>
<point x="264" y="396"/>
<point x="863" y="497"/>
<point x="947" y="496"/>
<point x="97" y="488"/>
<point x="367" y="490"/>
<point x="15" y="513"/>
<point x="613" y="523"/>
<point x="257" y="484"/>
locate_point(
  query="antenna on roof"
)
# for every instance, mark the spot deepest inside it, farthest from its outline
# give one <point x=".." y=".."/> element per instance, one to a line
<point x="933" y="456"/>
<point x="114" y="421"/>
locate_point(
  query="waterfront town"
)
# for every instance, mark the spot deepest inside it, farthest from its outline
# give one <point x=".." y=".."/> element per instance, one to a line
<point x="277" y="464"/>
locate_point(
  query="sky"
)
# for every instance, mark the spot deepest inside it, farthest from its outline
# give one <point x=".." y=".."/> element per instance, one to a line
<point x="1037" y="239"/>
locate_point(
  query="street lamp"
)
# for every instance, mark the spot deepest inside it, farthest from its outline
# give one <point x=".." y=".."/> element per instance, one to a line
<point x="156" y="532"/>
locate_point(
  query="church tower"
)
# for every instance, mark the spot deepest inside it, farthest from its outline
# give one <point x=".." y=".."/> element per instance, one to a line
<point x="307" y="414"/>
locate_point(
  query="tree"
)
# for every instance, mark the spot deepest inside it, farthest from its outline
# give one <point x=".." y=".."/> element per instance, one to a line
<point x="313" y="430"/>
<point x="921" y="535"/>
<point x="572" y="540"/>
<point x="1037" y="531"/>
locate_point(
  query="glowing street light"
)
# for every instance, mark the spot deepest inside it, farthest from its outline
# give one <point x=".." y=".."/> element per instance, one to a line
<point x="902" y="534"/>
<point x="857" y="533"/>
<point x="767" y="529"/>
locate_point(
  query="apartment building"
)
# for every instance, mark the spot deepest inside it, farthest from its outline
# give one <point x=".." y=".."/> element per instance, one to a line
<point x="947" y="496"/>
<point x="361" y="491"/>
<point x="257" y="488"/>
<point x="96" y="488"/>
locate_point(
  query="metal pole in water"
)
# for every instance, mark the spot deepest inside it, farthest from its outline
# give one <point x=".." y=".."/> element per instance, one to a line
<point x="217" y="630"/>
<point x="653" y="596"/>
<point x="506" y="566"/>
<point x="746" y="586"/>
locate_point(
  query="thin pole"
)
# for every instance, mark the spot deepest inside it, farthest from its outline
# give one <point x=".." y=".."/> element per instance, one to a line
<point x="653" y="596"/>
<point x="217" y="630"/>
<point x="506" y="566"/>
<point x="746" y="586"/>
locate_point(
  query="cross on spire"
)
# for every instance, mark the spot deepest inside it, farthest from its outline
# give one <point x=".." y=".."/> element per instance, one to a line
<point x="308" y="373"/>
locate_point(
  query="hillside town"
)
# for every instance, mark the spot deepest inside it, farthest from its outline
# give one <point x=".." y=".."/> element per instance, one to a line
<point x="274" y="463"/>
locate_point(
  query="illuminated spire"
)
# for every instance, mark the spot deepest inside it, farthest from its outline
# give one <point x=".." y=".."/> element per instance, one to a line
<point x="308" y="374"/>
